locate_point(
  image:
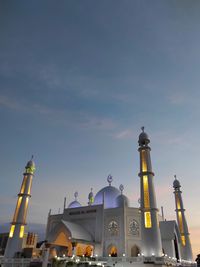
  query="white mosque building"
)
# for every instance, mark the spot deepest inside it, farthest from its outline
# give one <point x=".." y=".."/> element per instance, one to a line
<point x="109" y="226"/>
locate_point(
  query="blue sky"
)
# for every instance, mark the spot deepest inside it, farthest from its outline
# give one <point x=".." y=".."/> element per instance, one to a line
<point x="77" y="81"/>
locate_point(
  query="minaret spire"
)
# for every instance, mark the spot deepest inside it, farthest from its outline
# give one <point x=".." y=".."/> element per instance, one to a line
<point x="182" y="223"/>
<point x="150" y="232"/>
<point x="16" y="234"/>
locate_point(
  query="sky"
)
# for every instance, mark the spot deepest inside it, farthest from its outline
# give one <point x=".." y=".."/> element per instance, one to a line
<point x="78" y="79"/>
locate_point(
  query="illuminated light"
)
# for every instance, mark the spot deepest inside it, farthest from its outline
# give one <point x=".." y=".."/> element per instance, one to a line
<point x="146" y="191"/>
<point x="147" y="219"/>
<point x="183" y="240"/>
<point x="21" y="233"/>
<point x="19" y="201"/>
<point x="180" y="219"/>
<point x="178" y="201"/>
<point x="109" y="255"/>
<point x="30" y="169"/>
<point x="144" y="163"/>
<point x="91" y="200"/>
<point x="124" y="255"/>
<point x="23" y="185"/>
<point x="12" y="229"/>
<point x="25" y="210"/>
<point x="29" y="188"/>
<point x="138" y="254"/>
<point x="153" y="254"/>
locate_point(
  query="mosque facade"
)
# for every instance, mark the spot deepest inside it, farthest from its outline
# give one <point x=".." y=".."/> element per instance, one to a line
<point x="109" y="226"/>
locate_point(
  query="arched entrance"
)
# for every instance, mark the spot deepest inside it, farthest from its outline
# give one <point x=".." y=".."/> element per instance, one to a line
<point x="84" y="250"/>
<point x="135" y="250"/>
<point x="64" y="236"/>
<point x="88" y="251"/>
<point x="112" y="250"/>
<point x="59" y="238"/>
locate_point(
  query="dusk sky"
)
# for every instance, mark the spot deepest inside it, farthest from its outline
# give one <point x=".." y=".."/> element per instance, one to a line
<point x="78" y="79"/>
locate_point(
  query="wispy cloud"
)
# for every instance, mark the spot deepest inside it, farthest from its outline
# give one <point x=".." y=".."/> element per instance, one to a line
<point x="177" y="98"/>
<point x="125" y="134"/>
<point x="182" y="97"/>
<point x="9" y="103"/>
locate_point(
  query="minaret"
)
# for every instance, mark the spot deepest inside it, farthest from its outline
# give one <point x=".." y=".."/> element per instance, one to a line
<point x="150" y="232"/>
<point x="182" y="223"/>
<point x="19" y="219"/>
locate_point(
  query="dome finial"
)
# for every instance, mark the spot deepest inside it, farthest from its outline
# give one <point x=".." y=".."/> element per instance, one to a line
<point x="142" y="128"/>
<point x="91" y="197"/>
<point x="175" y="176"/>
<point x="76" y="195"/>
<point x="109" y="179"/>
<point x="121" y="188"/>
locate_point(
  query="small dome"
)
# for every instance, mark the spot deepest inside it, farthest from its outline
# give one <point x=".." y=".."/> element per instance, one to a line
<point x="30" y="164"/>
<point x="109" y="194"/>
<point x="122" y="201"/>
<point x="74" y="204"/>
<point x="143" y="138"/>
<point x="176" y="184"/>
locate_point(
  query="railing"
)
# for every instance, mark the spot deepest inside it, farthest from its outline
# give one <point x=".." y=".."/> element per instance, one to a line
<point x="14" y="262"/>
<point x="121" y="259"/>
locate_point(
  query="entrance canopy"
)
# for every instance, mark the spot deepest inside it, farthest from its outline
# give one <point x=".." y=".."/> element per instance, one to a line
<point x="77" y="232"/>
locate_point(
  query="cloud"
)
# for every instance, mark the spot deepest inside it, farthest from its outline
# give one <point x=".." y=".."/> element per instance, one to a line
<point x="125" y="134"/>
<point x="9" y="103"/>
<point x="177" y="98"/>
<point x="94" y="122"/>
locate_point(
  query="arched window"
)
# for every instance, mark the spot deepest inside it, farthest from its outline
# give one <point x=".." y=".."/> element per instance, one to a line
<point x="135" y="250"/>
<point x="112" y="250"/>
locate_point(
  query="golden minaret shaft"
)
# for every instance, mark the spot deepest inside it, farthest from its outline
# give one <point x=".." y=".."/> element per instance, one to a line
<point x="182" y="223"/>
<point x="150" y="232"/>
<point x="19" y="219"/>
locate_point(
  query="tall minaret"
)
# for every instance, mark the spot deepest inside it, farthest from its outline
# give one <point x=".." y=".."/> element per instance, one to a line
<point x="19" y="219"/>
<point x="150" y="232"/>
<point x="182" y="223"/>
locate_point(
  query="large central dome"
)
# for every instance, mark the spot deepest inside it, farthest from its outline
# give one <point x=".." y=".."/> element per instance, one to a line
<point x="109" y="194"/>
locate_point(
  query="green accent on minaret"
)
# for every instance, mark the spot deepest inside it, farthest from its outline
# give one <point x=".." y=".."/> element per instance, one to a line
<point x="30" y="170"/>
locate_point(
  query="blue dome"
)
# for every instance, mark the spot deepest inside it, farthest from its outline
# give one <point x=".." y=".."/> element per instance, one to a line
<point x="109" y="193"/>
<point x="74" y="204"/>
<point x="122" y="200"/>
